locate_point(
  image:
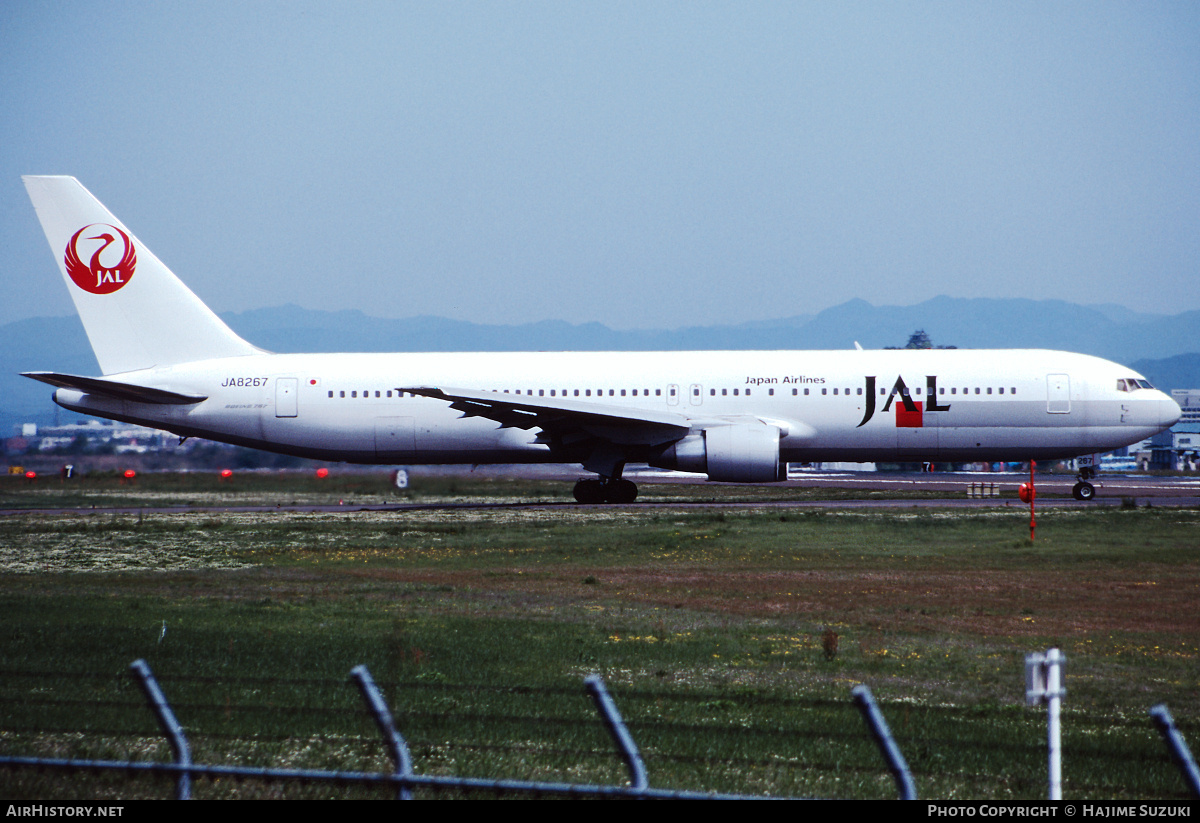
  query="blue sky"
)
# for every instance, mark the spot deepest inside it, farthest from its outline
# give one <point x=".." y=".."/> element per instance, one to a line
<point x="644" y="165"/>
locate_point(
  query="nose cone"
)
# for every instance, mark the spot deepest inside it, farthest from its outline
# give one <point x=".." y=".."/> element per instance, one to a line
<point x="1168" y="412"/>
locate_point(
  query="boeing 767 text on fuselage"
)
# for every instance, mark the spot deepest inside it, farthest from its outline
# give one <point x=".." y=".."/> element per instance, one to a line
<point x="170" y="363"/>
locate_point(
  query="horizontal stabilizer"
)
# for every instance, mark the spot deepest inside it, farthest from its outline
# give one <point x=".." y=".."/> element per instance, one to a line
<point x="112" y="388"/>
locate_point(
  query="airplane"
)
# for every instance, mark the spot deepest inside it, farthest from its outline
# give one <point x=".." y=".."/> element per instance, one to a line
<point x="170" y="363"/>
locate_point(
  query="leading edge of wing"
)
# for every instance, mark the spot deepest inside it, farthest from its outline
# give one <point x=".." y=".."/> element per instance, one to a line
<point x="619" y="424"/>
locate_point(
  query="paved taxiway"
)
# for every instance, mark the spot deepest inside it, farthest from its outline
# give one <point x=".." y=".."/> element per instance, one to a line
<point x="951" y="488"/>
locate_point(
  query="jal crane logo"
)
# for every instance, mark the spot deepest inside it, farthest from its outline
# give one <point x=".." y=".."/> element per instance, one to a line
<point x="111" y="264"/>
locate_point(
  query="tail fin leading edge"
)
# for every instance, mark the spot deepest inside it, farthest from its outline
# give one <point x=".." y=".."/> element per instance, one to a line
<point x="136" y="312"/>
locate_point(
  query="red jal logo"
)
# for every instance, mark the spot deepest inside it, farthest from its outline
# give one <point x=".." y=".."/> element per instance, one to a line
<point x="101" y="276"/>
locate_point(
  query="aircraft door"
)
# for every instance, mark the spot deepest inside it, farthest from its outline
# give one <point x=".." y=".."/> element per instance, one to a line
<point x="695" y="394"/>
<point x="673" y="395"/>
<point x="1058" y="394"/>
<point x="286" y="389"/>
<point x="917" y="443"/>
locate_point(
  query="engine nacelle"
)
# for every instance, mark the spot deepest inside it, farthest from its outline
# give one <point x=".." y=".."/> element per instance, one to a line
<point x="739" y="453"/>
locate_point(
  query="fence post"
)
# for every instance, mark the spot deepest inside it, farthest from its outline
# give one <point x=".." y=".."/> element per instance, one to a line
<point x="1180" y="752"/>
<point x="386" y="725"/>
<point x="887" y="744"/>
<point x="1044" y="684"/>
<point x="169" y="725"/>
<point x="620" y="734"/>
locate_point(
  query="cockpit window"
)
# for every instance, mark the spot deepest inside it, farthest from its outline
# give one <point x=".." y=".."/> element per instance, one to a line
<point x="1132" y="384"/>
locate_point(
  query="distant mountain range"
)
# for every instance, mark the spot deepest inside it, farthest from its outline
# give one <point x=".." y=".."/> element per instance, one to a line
<point x="1163" y="347"/>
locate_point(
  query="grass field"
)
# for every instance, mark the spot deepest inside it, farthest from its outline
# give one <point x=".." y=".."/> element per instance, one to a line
<point x="481" y="623"/>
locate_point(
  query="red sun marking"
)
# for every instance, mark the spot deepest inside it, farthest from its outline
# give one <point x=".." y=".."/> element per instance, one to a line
<point x="94" y="276"/>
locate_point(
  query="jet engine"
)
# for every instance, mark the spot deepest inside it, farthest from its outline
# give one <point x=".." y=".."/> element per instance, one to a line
<point x="738" y="453"/>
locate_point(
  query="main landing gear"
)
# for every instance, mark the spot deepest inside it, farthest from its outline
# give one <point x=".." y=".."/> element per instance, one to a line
<point x="606" y="490"/>
<point x="1083" y="490"/>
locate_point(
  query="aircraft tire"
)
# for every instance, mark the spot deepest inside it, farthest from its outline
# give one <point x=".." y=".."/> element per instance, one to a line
<point x="1083" y="491"/>
<point x="589" y="491"/>
<point x="621" y="491"/>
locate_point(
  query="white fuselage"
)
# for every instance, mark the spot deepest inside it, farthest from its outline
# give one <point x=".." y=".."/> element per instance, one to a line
<point x="828" y="405"/>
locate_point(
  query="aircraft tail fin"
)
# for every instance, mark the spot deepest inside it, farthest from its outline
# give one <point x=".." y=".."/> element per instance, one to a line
<point x="136" y="312"/>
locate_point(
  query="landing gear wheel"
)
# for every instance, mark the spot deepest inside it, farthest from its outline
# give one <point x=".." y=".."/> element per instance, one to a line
<point x="620" y="491"/>
<point x="589" y="491"/>
<point x="1083" y="491"/>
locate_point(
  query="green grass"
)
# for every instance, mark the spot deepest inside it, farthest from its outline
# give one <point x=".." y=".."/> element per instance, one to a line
<point x="707" y="625"/>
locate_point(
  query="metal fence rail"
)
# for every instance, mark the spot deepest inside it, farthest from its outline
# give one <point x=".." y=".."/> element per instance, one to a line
<point x="1180" y="753"/>
<point x="404" y="781"/>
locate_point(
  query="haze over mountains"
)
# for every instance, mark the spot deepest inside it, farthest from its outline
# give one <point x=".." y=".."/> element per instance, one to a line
<point x="1163" y="347"/>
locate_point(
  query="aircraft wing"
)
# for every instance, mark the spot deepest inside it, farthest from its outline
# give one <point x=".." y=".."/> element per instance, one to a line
<point x="114" y="388"/>
<point x="563" y="418"/>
